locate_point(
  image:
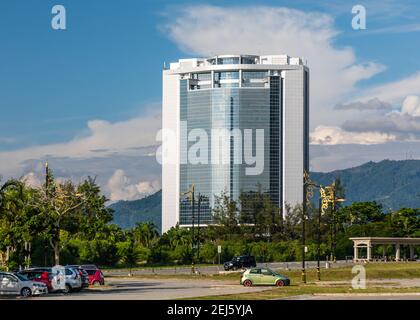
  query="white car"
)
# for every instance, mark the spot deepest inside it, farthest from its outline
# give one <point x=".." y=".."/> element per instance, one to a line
<point x="17" y="284"/>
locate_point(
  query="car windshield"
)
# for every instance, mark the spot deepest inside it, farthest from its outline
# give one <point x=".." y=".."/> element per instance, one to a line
<point x="91" y="272"/>
<point x="21" y="277"/>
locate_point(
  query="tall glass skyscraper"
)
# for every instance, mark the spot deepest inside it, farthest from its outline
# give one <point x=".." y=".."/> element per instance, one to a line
<point x="233" y="124"/>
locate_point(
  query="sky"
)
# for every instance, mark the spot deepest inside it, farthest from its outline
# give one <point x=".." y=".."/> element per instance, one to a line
<point x="88" y="98"/>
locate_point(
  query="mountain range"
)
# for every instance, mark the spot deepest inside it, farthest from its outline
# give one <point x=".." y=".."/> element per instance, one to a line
<point x="394" y="184"/>
<point x="148" y="209"/>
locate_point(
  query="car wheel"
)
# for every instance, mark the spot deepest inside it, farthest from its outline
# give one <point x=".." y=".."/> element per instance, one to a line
<point x="25" y="292"/>
<point x="96" y="283"/>
<point x="247" y="283"/>
<point x="67" y="289"/>
<point x="279" y="283"/>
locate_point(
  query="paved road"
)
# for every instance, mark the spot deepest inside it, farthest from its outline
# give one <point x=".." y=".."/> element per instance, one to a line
<point x="216" y="268"/>
<point x="160" y="289"/>
<point x="152" y="289"/>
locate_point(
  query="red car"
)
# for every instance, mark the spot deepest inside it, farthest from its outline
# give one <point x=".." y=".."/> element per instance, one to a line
<point x="39" y="276"/>
<point x="95" y="277"/>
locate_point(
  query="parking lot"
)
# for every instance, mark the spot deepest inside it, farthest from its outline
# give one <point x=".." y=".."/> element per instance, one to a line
<point x="214" y="269"/>
<point x="150" y="289"/>
<point x="120" y="286"/>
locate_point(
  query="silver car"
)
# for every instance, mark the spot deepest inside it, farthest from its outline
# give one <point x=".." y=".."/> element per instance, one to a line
<point x="73" y="280"/>
<point x="17" y="284"/>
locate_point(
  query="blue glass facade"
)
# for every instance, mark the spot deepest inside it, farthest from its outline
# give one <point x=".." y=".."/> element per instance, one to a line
<point x="255" y="105"/>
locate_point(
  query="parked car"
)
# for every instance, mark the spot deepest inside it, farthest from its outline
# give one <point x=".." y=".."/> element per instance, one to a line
<point x="39" y="276"/>
<point x="73" y="278"/>
<point x="83" y="274"/>
<point x="17" y="284"/>
<point x="263" y="276"/>
<point x="95" y="275"/>
<point x="240" y="262"/>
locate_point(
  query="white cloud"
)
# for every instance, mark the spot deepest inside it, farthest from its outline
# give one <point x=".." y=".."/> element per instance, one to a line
<point x="335" y="72"/>
<point x="411" y="106"/>
<point x="208" y="30"/>
<point x="393" y="92"/>
<point x="121" y="188"/>
<point x="372" y="104"/>
<point x="104" y="139"/>
<point x="324" y="135"/>
<point x="403" y="123"/>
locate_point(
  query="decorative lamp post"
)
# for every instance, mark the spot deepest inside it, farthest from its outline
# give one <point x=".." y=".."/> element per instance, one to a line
<point x="324" y="200"/>
<point x="333" y="199"/>
<point x="191" y="197"/>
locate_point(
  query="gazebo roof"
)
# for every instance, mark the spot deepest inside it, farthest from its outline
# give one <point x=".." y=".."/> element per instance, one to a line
<point x="387" y="240"/>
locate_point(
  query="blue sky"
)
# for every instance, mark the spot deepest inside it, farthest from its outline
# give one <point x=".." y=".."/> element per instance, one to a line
<point x="107" y="64"/>
<point x="107" y="67"/>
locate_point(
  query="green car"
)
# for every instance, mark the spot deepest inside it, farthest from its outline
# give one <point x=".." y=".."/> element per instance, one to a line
<point x="263" y="276"/>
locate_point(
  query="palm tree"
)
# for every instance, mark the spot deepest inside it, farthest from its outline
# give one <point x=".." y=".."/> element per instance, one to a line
<point x="178" y="236"/>
<point x="145" y="233"/>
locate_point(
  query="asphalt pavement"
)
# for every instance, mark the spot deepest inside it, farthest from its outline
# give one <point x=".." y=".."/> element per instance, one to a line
<point x="155" y="289"/>
<point x="214" y="269"/>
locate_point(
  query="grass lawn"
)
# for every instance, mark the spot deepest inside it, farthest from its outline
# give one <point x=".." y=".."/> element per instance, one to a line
<point x="373" y="271"/>
<point x="295" y="290"/>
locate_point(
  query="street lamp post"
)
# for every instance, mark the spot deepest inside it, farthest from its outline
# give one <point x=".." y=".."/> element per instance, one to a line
<point x="198" y="227"/>
<point x="331" y="233"/>
<point x="333" y="200"/>
<point x="191" y="195"/>
<point x="334" y="209"/>
<point x="303" y="240"/>
<point x="326" y="196"/>
<point x="318" y="269"/>
<point x="192" y="231"/>
<point x="306" y="182"/>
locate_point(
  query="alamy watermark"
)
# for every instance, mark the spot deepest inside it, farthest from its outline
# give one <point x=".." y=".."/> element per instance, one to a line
<point x="359" y="20"/>
<point x="58" y="22"/>
<point x="358" y="281"/>
<point x="219" y="146"/>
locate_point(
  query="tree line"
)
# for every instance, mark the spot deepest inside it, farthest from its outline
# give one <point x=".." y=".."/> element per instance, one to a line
<point x="62" y="222"/>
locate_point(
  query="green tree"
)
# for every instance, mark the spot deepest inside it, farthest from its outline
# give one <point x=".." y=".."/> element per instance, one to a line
<point x="145" y="234"/>
<point x="361" y="213"/>
<point x="19" y="221"/>
<point x="176" y="236"/>
<point x="94" y="216"/>
<point x="225" y="214"/>
<point x="129" y="251"/>
<point x="405" y="222"/>
<point x="60" y="204"/>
